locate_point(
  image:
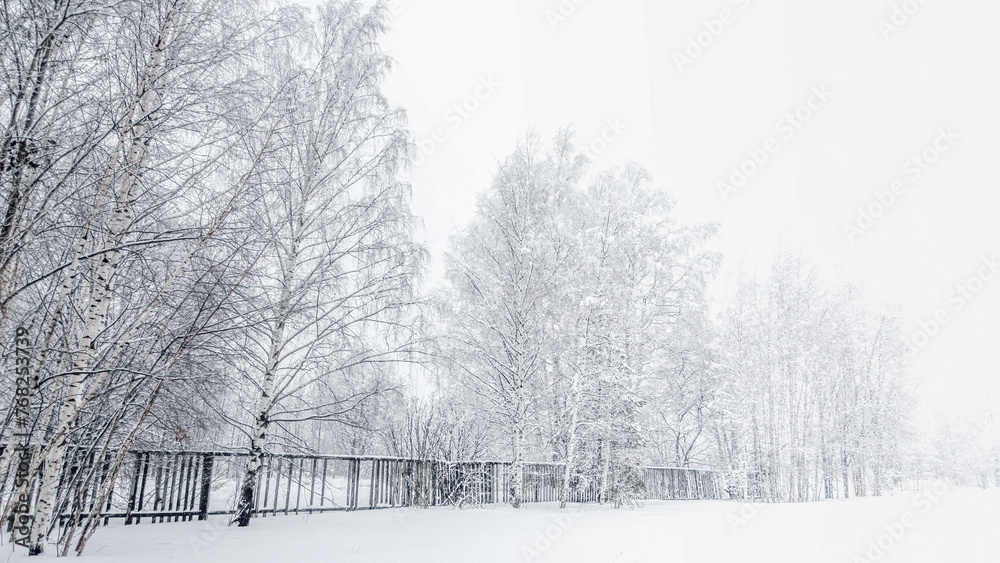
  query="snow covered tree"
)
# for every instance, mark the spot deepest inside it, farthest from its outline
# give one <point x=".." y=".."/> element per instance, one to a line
<point x="505" y="270"/>
<point x="137" y="106"/>
<point x="645" y="273"/>
<point x="813" y="396"/>
<point x="564" y="302"/>
<point x="328" y="303"/>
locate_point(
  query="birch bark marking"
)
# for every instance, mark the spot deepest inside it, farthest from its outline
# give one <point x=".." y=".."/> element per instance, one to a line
<point x="517" y="463"/>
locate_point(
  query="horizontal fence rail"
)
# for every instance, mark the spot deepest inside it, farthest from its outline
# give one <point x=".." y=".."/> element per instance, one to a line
<point x="162" y="486"/>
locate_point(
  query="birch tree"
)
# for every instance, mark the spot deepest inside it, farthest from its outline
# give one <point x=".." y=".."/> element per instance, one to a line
<point x="813" y="394"/>
<point x="649" y="272"/>
<point x="135" y="154"/>
<point x="332" y="292"/>
<point x="503" y="270"/>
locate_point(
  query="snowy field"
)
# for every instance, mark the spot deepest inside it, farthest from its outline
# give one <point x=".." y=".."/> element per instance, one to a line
<point x="957" y="526"/>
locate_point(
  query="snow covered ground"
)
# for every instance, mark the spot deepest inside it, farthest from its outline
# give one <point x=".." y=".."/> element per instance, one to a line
<point x="943" y="526"/>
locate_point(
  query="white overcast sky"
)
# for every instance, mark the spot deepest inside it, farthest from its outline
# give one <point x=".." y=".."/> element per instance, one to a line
<point x="553" y="63"/>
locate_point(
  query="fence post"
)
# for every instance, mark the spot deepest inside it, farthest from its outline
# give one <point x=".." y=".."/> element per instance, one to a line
<point x="206" y="486"/>
<point x="133" y="490"/>
<point x="371" y="485"/>
<point x="353" y="483"/>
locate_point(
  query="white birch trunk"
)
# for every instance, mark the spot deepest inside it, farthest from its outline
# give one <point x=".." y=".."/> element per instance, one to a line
<point x="102" y="285"/>
<point x="574" y="421"/>
<point x="517" y="463"/>
<point x="245" y="503"/>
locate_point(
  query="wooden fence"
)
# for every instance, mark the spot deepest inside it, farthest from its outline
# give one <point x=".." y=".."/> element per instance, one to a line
<point x="671" y="483"/>
<point x="158" y="486"/>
